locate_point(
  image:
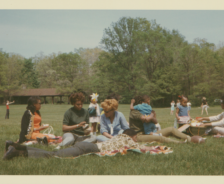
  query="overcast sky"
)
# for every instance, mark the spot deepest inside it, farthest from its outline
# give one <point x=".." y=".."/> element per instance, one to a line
<point x="29" y="32"/>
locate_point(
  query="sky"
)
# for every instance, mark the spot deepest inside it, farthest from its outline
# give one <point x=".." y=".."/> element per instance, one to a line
<point x="30" y="32"/>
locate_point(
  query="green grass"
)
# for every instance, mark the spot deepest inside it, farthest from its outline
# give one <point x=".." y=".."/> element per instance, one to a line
<point x="187" y="159"/>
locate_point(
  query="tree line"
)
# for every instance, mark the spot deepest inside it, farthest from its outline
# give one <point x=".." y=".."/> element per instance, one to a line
<point x="137" y="56"/>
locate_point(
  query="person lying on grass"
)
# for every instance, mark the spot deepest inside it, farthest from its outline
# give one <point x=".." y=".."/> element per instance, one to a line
<point x="127" y="140"/>
<point x="146" y="109"/>
<point x="217" y="127"/>
<point x="31" y="122"/>
<point x="75" y="120"/>
<point x="112" y="122"/>
<point x="136" y="120"/>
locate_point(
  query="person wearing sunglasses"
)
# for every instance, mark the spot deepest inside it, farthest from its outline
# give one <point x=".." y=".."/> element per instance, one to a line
<point x="112" y="122"/>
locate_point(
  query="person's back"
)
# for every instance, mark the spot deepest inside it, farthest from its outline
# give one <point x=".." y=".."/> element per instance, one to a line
<point x="183" y="110"/>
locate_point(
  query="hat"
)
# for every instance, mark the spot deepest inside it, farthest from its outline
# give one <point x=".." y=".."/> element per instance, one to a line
<point x="94" y="96"/>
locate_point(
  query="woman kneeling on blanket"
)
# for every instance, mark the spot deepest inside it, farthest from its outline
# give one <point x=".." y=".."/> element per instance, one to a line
<point x="126" y="140"/>
<point x="31" y="122"/>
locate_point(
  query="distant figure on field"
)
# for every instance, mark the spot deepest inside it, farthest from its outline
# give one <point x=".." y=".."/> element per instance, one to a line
<point x="204" y="105"/>
<point x="178" y="103"/>
<point x="94" y="118"/>
<point x="7" y="109"/>
<point x="189" y="106"/>
<point x="172" y="107"/>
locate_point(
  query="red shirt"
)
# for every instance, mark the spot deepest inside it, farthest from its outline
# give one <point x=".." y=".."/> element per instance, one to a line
<point x="7" y="106"/>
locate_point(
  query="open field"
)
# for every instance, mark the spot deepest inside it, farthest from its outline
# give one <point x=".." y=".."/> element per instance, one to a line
<point x="187" y="159"/>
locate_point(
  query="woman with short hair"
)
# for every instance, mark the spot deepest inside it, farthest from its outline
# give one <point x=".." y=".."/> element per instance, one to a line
<point x="75" y="120"/>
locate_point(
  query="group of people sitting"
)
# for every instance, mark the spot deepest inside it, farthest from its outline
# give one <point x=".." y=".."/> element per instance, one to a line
<point x="115" y="131"/>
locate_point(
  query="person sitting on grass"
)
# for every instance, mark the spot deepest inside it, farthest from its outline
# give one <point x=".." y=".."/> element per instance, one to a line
<point x="126" y="140"/>
<point x="136" y="120"/>
<point x="31" y="122"/>
<point x="74" y="123"/>
<point x="182" y="110"/>
<point x="112" y="122"/>
<point x="146" y="109"/>
<point x="218" y="125"/>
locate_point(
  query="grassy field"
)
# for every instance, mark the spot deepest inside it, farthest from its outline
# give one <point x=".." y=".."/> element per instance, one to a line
<point x="187" y="159"/>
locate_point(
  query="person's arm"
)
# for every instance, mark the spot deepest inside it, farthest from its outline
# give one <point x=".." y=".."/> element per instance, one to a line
<point x="151" y="119"/>
<point x="132" y="104"/>
<point x="177" y="111"/>
<point x="219" y="120"/>
<point x="136" y="115"/>
<point x="213" y="118"/>
<point x="40" y="128"/>
<point x="66" y="128"/>
<point x="11" y="102"/>
<point x="103" y="128"/>
<point x="107" y="135"/>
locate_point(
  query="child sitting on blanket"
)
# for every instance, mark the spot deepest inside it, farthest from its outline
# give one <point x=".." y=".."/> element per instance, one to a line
<point x="182" y="113"/>
<point x="96" y="118"/>
<point x="146" y="109"/>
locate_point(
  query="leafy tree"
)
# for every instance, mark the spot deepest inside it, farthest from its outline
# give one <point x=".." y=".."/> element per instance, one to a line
<point x="29" y="75"/>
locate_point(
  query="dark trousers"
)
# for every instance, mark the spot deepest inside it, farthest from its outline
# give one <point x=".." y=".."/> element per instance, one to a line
<point x="79" y="148"/>
<point x="7" y="114"/>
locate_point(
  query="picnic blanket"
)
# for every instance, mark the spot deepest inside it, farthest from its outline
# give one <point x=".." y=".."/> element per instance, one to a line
<point x="155" y="151"/>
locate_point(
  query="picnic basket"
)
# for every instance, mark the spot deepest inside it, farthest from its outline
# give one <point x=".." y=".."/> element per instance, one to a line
<point x="197" y="130"/>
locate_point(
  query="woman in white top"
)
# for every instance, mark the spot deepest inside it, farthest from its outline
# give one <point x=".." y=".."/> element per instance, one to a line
<point x="218" y="126"/>
<point x="172" y="107"/>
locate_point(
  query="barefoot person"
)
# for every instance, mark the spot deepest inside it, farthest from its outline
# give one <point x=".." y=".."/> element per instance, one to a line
<point x="218" y="125"/>
<point x="126" y="140"/>
<point x="7" y="109"/>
